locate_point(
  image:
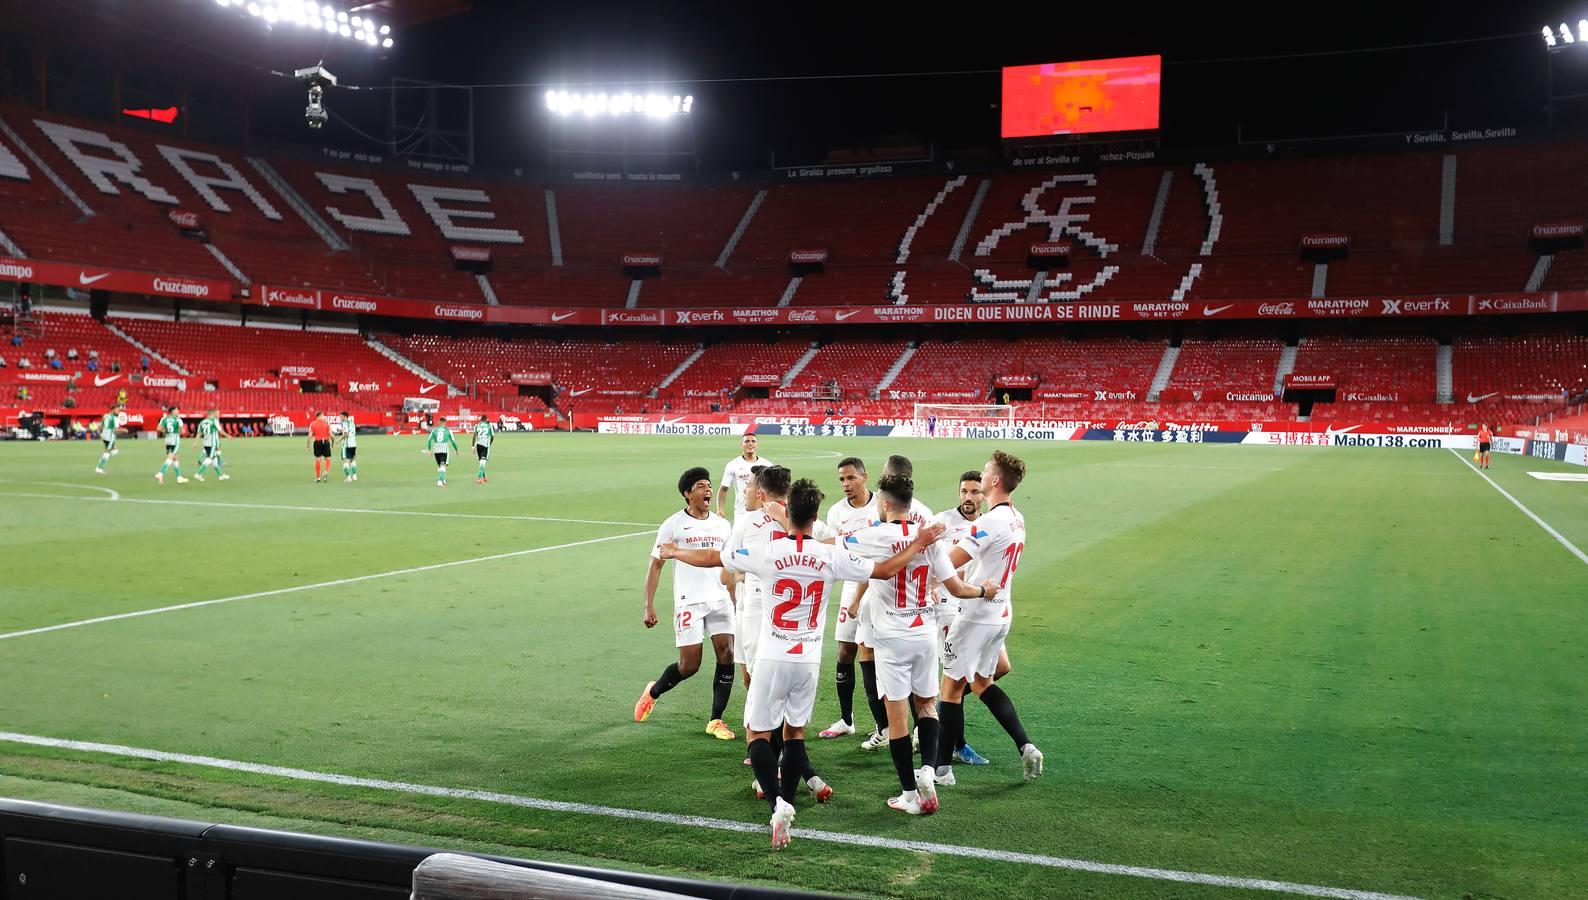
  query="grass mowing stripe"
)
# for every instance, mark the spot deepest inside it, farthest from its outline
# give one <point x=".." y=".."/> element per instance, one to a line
<point x="309" y="587"/>
<point x="1583" y="557"/>
<point x="319" y="509"/>
<point x="835" y="837"/>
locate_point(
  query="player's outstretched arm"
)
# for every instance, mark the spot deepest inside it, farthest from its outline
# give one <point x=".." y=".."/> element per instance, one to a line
<point x="860" y="594"/>
<point x="700" y="559"/>
<point x="894" y="564"/>
<point x="964" y="590"/>
<point x="653" y="577"/>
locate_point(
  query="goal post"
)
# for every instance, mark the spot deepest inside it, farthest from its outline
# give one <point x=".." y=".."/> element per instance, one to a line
<point x="940" y="419"/>
<point x="975" y="412"/>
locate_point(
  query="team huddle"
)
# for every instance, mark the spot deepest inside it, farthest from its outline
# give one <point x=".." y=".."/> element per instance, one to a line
<point x="925" y="610"/>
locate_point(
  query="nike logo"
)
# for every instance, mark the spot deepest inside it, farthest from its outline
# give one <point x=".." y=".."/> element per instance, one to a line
<point x="90" y="279"/>
<point x="844" y="315"/>
<point x="427" y="388"/>
<point x="1476" y="398"/>
<point x="580" y="393"/>
<point x="101" y="381"/>
<point x="558" y="317"/>
<point x="1215" y="310"/>
<point x="1331" y="432"/>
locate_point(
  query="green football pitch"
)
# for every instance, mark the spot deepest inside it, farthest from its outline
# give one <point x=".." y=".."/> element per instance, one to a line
<point x="1250" y="668"/>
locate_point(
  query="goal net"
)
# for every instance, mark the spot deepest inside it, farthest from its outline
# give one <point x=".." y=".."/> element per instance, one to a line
<point x="933" y="419"/>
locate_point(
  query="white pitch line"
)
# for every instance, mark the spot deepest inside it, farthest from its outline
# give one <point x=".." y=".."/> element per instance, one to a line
<point x="309" y="587"/>
<point x="613" y="812"/>
<point x="1577" y="552"/>
<point x="318" y="509"/>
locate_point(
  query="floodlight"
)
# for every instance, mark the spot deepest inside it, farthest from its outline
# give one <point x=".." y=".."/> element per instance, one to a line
<point x="1565" y="34"/>
<point x="386" y="43"/>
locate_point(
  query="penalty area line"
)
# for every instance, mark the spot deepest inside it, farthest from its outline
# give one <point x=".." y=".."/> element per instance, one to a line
<point x="412" y="570"/>
<point x="1575" y="550"/>
<point x="612" y="812"/>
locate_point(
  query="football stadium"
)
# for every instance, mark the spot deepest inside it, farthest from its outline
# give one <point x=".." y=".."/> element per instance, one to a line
<point x="480" y="449"/>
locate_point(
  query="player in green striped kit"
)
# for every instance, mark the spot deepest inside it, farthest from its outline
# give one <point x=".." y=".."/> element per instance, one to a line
<point x="484" y="434"/>
<point x="438" y="443"/>
<point x="210" y="434"/>
<point x="349" y="439"/>
<point x="107" y="434"/>
<point x="171" y="428"/>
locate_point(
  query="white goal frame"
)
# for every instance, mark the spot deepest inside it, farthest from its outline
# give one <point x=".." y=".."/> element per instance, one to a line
<point x="958" y="414"/>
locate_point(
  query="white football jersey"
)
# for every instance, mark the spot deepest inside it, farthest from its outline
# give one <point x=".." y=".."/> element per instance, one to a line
<point x="694" y="586"/>
<point x="901" y="606"/>
<point x="737" y="474"/>
<point x="994" y="542"/>
<point x="796" y="572"/>
<point x="845" y="520"/>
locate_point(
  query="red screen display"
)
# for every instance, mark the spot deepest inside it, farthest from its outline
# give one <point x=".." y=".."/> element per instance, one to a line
<point x="1085" y="97"/>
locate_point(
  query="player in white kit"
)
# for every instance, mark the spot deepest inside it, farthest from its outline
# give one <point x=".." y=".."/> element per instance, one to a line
<point x="737" y="473"/>
<point x="901" y="613"/>
<point x="976" y="639"/>
<point x="957" y="523"/>
<point x="768" y="491"/>
<point x="798" y="570"/>
<point x="856" y="510"/>
<point x="921" y="516"/>
<point x="701" y="608"/>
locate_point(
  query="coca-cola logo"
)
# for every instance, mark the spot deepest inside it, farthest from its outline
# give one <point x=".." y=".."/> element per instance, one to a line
<point x="353" y="304"/>
<point x="1136" y="426"/>
<point x="180" y="287"/>
<point x="459" y="312"/>
<point x="802" y="315"/>
<point x="1513" y="304"/>
<point x="289" y="297"/>
<point x="183" y="219"/>
<point x="1276" y="309"/>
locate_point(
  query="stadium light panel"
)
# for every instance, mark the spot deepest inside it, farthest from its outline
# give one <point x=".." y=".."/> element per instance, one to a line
<point x="619" y="105"/>
<point x="1582" y="29"/>
<point x="311" y="14"/>
<point x="1549" y="36"/>
<point x="1565" y="33"/>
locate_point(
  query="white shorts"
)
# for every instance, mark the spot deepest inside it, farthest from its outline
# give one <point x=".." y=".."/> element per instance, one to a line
<point x="905" y="666"/>
<point x="748" y="615"/>
<point x="781" y="693"/>
<point x="863" y="633"/>
<point x="972" y="648"/>
<point x="847" y="624"/>
<point x="693" y="624"/>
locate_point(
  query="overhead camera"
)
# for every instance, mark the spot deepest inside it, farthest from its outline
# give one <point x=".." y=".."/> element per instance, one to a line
<point x="318" y="78"/>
